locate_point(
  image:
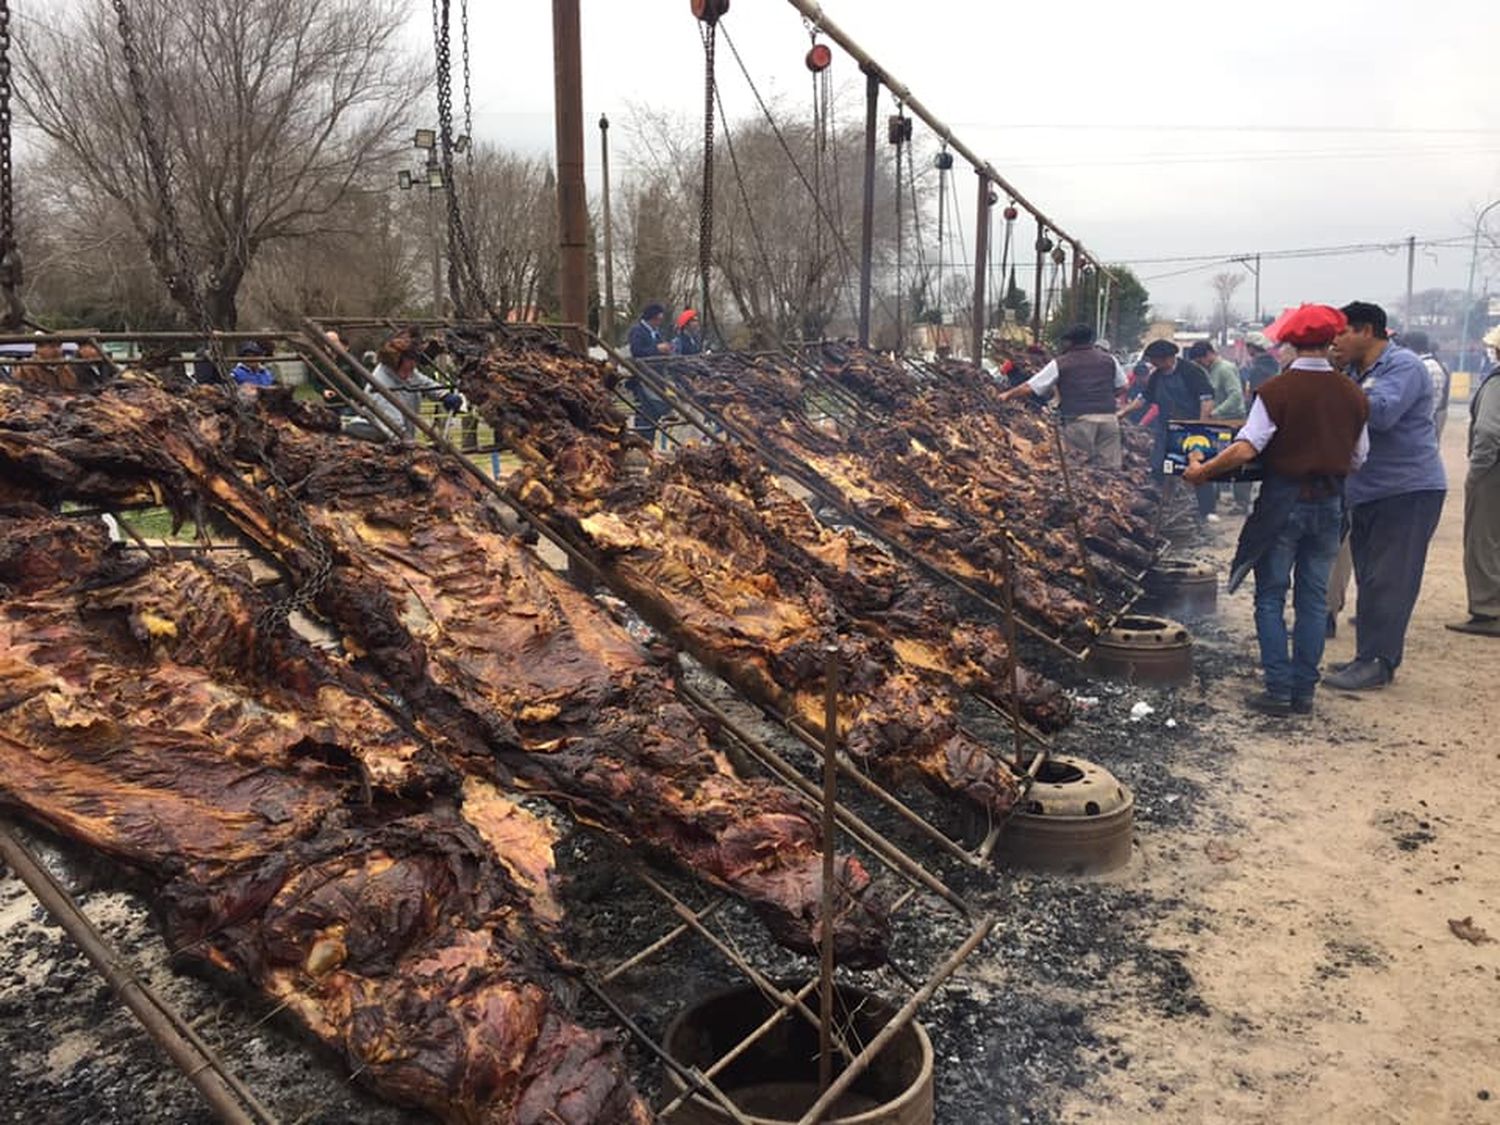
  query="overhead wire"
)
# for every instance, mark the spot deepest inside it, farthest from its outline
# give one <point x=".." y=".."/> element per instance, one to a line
<point x="839" y="241"/>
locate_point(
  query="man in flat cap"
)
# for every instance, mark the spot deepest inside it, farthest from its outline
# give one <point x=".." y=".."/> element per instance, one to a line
<point x="1395" y="500"/>
<point x="1307" y="425"/>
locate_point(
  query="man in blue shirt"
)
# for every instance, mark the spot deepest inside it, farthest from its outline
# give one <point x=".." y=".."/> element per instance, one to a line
<point x="645" y="334"/>
<point x="250" y="375"/>
<point x="1395" y="500"/>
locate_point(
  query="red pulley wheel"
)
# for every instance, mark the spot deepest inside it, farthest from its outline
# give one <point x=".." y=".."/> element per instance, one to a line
<point x="819" y="58"/>
<point x="709" y="11"/>
<point x="1011" y="214"/>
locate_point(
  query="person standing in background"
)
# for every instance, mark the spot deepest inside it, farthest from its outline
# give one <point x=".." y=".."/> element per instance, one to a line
<point x="1395" y="500"/>
<point x="1482" y="503"/>
<point x="1088" y="381"/>
<point x="645" y="334"/>
<point x="1223" y="376"/>
<point x="1262" y="365"/>
<point x="689" y="338"/>
<point x="1442" y="381"/>
<point x="250" y="375"/>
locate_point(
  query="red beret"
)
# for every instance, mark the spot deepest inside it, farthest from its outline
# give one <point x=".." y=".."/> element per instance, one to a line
<point x="1312" y="326"/>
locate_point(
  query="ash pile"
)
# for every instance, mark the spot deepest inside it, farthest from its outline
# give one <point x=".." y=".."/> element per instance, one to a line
<point x="344" y="787"/>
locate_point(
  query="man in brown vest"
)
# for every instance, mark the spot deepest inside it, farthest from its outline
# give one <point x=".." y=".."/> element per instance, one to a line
<point x="1088" y="381"/>
<point x="1308" y="427"/>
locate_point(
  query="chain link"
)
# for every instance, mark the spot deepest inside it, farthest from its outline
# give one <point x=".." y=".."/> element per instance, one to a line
<point x="14" y="313"/>
<point x="463" y="16"/>
<point x="464" y="280"/>
<point x="171" y="254"/>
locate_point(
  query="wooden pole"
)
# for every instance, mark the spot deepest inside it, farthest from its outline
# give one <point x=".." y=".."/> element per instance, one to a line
<point x="981" y="318"/>
<point x="572" y="195"/>
<point x="867" y="230"/>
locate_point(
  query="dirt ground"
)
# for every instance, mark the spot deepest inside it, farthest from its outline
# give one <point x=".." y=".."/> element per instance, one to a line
<point x="1279" y="949"/>
<point x="1315" y="909"/>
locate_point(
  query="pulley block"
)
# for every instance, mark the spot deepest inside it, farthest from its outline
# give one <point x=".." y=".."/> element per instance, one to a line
<point x="1012" y="213"/>
<point x="943" y="161"/>
<point x="1059" y="255"/>
<point x="1043" y="244"/>
<point x="709" y="11"/>
<point x="898" y="129"/>
<point x="820" y="58"/>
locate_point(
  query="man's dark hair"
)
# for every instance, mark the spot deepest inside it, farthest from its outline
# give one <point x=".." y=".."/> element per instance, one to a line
<point x="1416" y="341"/>
<point x="1199" y="348"/>
<point x="1160" y="349"/>
<point x="1079" y="334"/>
<point x="1361" y="313"/>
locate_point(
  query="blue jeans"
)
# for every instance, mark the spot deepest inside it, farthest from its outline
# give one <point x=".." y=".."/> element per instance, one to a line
<point x="1304" y="550"/>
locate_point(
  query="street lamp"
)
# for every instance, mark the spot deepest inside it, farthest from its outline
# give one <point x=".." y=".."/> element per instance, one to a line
<point x="431" y="174"/>
<point x="1463" y="343"/>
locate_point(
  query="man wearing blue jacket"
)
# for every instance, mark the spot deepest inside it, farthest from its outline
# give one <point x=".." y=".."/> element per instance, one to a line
<point x="1396" y="498"/>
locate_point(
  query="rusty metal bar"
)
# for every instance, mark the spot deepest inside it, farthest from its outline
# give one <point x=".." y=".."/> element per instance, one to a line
<point x="1036" y="304"/>
<point x="572" y="194"/>
<point x="224" y="1093"/>
<point x="757" y="978"/>
<point x="899" y="1021"/>
<point x="867" y="229"/>
<point x="661" y="943"/>
<point x="695" y="1079"/>
<point x="871" y="838"/>
<point x="814" y="14"/>
<point x="981" y="268"/>
<point x="814" y="740"/>
<point x="830" y="794"/>
<point x="756" y="1035"/>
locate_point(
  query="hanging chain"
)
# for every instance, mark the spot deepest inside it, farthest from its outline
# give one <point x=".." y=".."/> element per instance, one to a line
<point x="14" y="313"/>
<point x="709" y="31"/>
<point x="179" y="279"/>
<point x="463" y="17"/>
<point x="464" y="280"/>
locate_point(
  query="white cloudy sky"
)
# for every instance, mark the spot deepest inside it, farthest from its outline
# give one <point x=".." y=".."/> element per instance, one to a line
<point x="1151" y="130"/>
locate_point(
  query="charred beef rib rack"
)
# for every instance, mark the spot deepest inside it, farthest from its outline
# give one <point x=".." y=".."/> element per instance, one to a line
<point x="946" y="488"/>
<point x="724" y="561"/>
<point x="1117" y="509"/>
<point x="296" y="837"/>
<point x="518" y="672"/>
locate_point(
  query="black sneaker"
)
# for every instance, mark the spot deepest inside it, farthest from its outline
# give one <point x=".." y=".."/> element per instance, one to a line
<point x="1267" y="704"/>
<point x="1302" y="705"/>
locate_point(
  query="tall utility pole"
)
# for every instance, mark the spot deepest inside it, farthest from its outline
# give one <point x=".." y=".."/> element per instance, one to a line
<point x="572" y="198"/>
<point x="1463" y="343"/>
<point x="608" y="326"/>
<point x="1411" y="273"/>
<point x="981" y="267"/>
<point x="867" y="230"/>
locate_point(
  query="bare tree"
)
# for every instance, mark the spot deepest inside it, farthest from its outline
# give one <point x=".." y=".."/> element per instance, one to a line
<point x="1224" y="287"/>
<point x="510" y="208"/>
<point x="784" y="264"/>
<point x="272" y="113"/>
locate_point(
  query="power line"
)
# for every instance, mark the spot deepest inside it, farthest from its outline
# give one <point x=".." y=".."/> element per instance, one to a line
<point x="1136" y="127"/>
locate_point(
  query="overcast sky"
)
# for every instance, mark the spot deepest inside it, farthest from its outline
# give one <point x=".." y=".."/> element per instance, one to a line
<point x="1152" y="130"/>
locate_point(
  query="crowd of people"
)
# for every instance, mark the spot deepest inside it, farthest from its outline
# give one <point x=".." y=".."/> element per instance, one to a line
<point x="1344" y="421"/>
